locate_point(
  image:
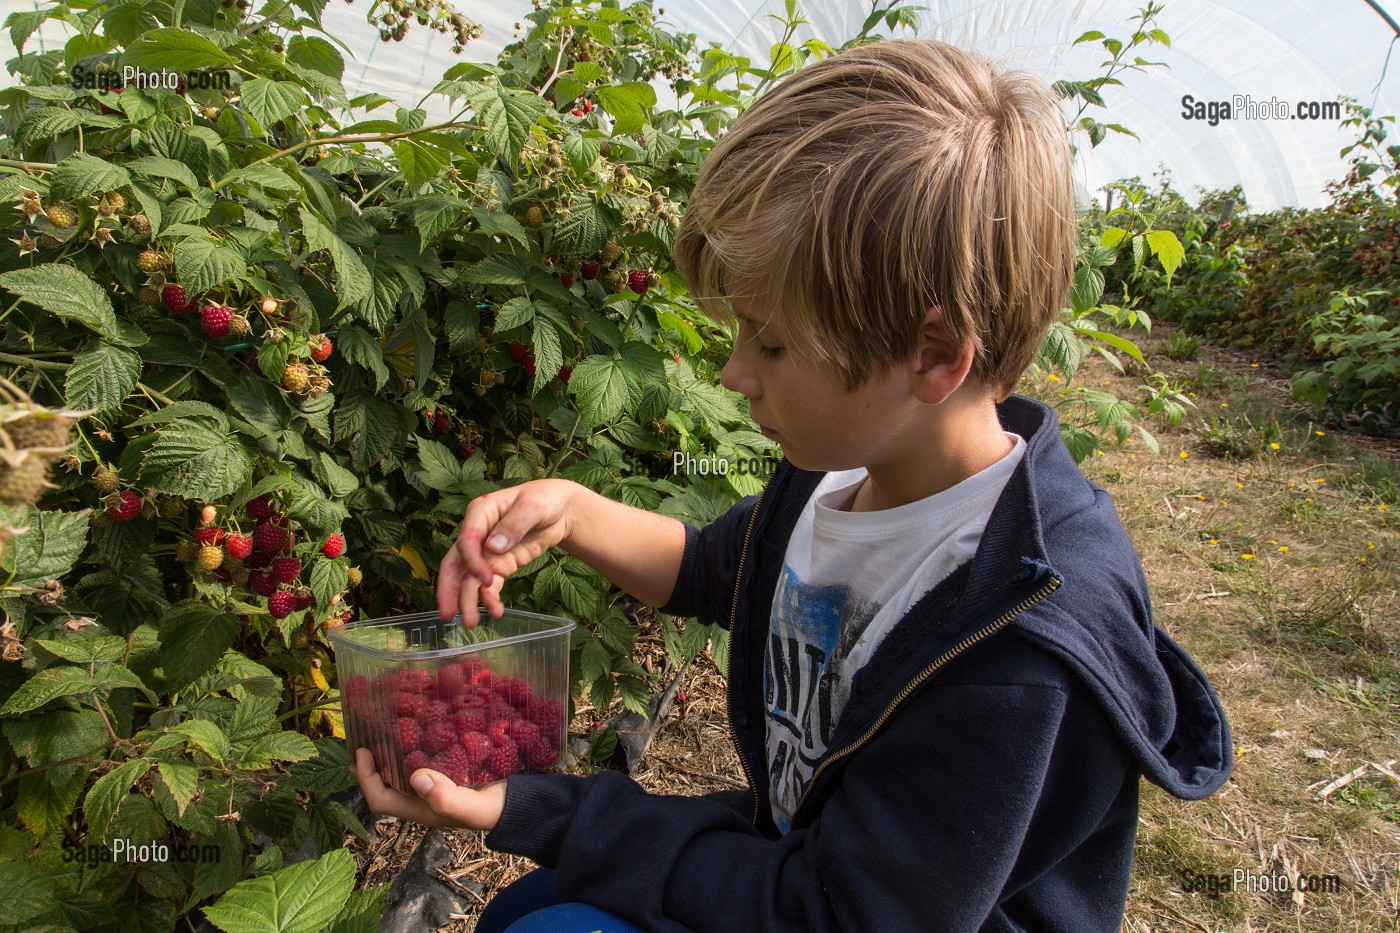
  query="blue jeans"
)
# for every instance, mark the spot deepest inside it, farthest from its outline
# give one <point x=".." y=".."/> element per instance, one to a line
<point x="529" y="905"/>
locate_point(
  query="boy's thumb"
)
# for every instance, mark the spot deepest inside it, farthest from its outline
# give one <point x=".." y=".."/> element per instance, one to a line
<point x="422" y="782"/>
<point x="498" y="542"/>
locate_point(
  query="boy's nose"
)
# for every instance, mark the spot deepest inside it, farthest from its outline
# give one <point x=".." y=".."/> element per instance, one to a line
<point x="737" y="377"/>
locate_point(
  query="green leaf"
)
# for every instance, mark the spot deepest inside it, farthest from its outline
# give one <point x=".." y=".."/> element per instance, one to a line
<point x="277" y="746"/>
<point x="635" y="695"/>
<point x="581" y="151"/>
<point x="271" y="101"/>
<point x="497" y="269"/>
<point x="302" y="898"/>
<point x="107" y="794"/>
<point x="182" y="780"/>
<point x="196" y="459"/>
<point x="161" y="167"/>
<point x="1088" y="288"/>
<point x="549" y="357"/>
<point x="440" y="469"/>
<point x="327" y="773"/>
<point x="352" y="279"/>
<point x="508" y="116"/>
<point x="193" y="636"/>
<point x="26" y="891"/>
<point x="86" y="650"/>
<point x="47" y="548"/>
<point x="340" y="481"/>
<point x="206" y="736"/>
<point x="316" y="53"/>
<point x="81" y="174"/>
<point x="174" y="49"/>
<point x="101" y="377"/>
<point x="628" y="104"/>
<point x="600" y="387"/>
<point x="48" y="684"/>
<point x="46" y="800"/>
<point x="419" y="164"/>
<point x="202" y="264"/>
<point x="328" y="577"/>
<point x="587" y="229"/>
<point x="514" y="313"/>
<point x="62" y="290"/>
<point x="1168" y="250"/>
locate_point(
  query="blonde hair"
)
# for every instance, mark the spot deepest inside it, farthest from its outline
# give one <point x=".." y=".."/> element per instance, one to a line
<point x="877" y="183"/>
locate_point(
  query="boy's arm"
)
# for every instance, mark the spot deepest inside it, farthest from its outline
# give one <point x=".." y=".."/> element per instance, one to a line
<point x="639" y="551"/>
<point x="948" y="807"/>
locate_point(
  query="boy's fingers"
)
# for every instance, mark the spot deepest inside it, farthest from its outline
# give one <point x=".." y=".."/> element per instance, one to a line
<point x="459" y="806"/>
<point x="449" y="583"/>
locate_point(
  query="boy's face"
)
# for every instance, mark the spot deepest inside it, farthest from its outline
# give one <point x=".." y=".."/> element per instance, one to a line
<point x="805" y="406"/>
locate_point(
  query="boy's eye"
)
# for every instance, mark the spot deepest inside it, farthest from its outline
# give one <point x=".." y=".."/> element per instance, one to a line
<point x="770" y="352"/>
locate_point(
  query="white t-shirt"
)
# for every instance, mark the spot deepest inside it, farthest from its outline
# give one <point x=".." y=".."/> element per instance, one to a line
<point x="847" y="578"/>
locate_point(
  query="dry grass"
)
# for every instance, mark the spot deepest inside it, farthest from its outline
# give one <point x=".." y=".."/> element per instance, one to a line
<point x="1285" y="590"/>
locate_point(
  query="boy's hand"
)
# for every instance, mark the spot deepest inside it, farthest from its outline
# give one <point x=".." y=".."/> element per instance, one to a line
<point x="502" y="532"/>
<point x="442" y="803"/>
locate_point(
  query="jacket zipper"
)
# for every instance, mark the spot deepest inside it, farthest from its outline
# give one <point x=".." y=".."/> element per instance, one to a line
<point x="1001" y="623"/>
<point x="733" y="613"/>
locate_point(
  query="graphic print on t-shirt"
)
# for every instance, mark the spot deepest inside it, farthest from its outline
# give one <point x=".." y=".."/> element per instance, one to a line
<point x="812" y="630"/>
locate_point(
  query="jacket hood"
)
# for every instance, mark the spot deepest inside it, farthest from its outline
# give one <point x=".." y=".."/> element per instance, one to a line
<point x="1099" y="621"/>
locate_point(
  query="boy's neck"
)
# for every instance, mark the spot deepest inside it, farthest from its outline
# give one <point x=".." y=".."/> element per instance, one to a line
<point x="960" y="445"/>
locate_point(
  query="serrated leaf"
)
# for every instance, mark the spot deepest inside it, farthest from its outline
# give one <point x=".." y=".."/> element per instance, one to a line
<point x="635" y="695"/>
<point x="600" y="387"/>
<point x="508" y="115"/>
<point x="46" y="548"/>
<point x="327" y="773"/>
<point x="439" y="468"/>
<point x="340" y="481"/>
<point x="62" y="290"/>
<point x="628" y="104"/>
<point x="315" y="52"/>
<point x="1088" y="288"/>
<point x="549" y="356"/>
<point x="102" y="377"/>
<point x="81" y="174"/>
<point x="46" y="801"/>
<point x="106" y="795"/>
<point x="514" y="313"/>
<point x="48" y="684"/>
<point x="328" y="577"/>
<point x="301" y="898"/>
<point x="419" y="164"/>
<point x="182" y="780"/>
<point x="352" y="280"/>
<point x="26" y="891"/>
<point x="206" y="736"/>
<point x="162" y="167"/>
<point x="463" y="325"/>
<point x="193" y="636"/>
<point x="271" y="101"/>
<point x="277" y="746"/>
<point x="587" y="229"/>
<point x="196" y="459"/>
<point x="497" y="269"/>
<point x="85" y="650"/>
<point x="174" y="49"/>
<point x="581" y="151"/>
<point x="1168" y="250"/>
<point x="202" y="264"/>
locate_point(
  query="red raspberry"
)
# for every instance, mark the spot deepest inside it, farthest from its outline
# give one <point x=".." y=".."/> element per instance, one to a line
<point x="477" y="747"/>
<point x="577" y="112"/>
<point x="408" y="704"/>
<point x="590" y="270"/>
<point x="209" y="537"/>
<point x="505" y="759"/>
<point x="566" y="279"/>
<point x="473" y="666"/>
<point x="272" y="539"/>
<point x="439" y="736"/>
<point x="262" y="583"/>
<point x="357" y="688"/>
<point x="442" y="422"/>
<point x="540" y="754"/>
<point x="128" y="506"/>
<point x="174" y="299"/>
<point x="240" y="546"/>
<point x="451" y="680"/>
<point x="260" y="561"/>
<point x="261" y="508"/>
<point x="305" y="601"/>
<point x="408" y="734"/>
<point x="637" y="281"/>
<point x="565" y="372"/>
<point x="467" y="451"/>
<point x="215" y="320"/>
<point x="496" y="711"/>
<point x="547" y="713"/>
<point x="323" y="350"/>
<point x="415" y="760"/>
<point x="514" y="691"/>
<point x="524" y="733"/>
<point x="286" y="569"/>
<point x="587" y="105"/>
<point x="467" y="721"/>
<point x="281" y="604"/>
<point x="418" y="680"/>
<point x="530" y="366"/>
<point x="468" y="700"/>
<point x="518" y="351"/>
<point x="434" y="711"/>
<point x="453" y="763"/>
<point x="334" y="546"/>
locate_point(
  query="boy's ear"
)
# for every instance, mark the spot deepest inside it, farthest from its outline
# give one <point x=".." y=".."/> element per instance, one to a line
<point x="941" y="363"/>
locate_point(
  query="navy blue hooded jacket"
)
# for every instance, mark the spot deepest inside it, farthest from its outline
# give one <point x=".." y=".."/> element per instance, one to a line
<point x="984" y="775"/>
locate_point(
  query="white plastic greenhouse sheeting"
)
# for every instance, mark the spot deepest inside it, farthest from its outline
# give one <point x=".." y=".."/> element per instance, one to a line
<point x="1291" y="51"/>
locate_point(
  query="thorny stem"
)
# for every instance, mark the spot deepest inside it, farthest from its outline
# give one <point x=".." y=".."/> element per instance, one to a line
<point x="336" y="140"/>
<point x="36" y="364"/>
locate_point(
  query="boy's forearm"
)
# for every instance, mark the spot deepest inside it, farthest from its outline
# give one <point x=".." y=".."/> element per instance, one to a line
<point x="637" y="550"/>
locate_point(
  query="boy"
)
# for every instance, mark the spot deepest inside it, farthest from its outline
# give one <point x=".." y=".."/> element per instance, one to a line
<point x="944" y="677"/>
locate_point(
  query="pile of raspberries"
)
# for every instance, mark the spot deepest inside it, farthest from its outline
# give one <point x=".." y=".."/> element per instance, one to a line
<point x="461" y="719"/>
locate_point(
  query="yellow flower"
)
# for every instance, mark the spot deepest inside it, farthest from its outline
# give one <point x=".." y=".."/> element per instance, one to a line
<point x="1224" y="502"/>
<point x="1283" y="549"/>
<point x="1224" y="404"/>
<point x="1201" y="496"/>
<point x="1239" y="485"/>
<point x="1183" y="455"/>
<point x="1273" y="542"/>
<point x="1308" y="499"/>
<point x="1361" y="560"/>
<point x="1247" y="556"/>
<point x="1253" y="365"/>
<point x="1193" y="394"/>
<point x="1213" y="542"/>
<point x="1370" y="545"/>
<point x="1052" y="377"/>
<point x="1382" y="507"/>
<point x="1319" y="481"/>
<point x="1273" y="446"/>
<point x="1320" y="433"/>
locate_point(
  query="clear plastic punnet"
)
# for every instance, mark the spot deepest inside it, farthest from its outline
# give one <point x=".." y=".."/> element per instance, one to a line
<point x="477" y="704"/>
